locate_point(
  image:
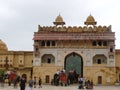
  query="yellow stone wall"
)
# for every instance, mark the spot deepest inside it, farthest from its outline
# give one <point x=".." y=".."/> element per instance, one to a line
<point x="117" y="63"/>
<point x="92" y="73"/>
<point x="44" y="70"/>
<point x="47" y="69"/>
<point x="14" y="58"/>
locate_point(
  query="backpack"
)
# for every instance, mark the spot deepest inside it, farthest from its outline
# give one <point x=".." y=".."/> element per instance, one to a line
<point x="31" y="83"/>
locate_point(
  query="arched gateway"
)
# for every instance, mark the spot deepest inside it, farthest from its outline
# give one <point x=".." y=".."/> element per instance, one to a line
<point x="74" y="61"/>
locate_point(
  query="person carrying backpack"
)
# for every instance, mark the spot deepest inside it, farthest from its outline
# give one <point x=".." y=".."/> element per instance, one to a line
<point x="31" y="82"/>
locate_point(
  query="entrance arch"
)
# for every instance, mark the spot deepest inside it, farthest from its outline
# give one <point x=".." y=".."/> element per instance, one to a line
<point x="74" y="61"/>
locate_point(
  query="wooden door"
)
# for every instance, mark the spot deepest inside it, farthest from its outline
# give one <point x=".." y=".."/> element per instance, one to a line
<point x="47" y="79"/>
<point x="99" y="79"/>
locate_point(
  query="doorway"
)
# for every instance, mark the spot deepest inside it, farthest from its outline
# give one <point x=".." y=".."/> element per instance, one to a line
<point x="99" y="79"/>
<point x="47" y="79"/>
<point x="74" y="62"/>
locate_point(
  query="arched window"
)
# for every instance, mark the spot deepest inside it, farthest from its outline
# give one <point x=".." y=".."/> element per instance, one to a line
<point x="48" y="58"/>
<point x="111" y="49"/>
<point x="99" y="43"/>
<point x="36" y="49"/>
<point x="99" y="59"/>
<point x="48" y="43"/>
<point x="53" y="43"/>
<point x="104" y="43"/>
<point x="43" y="43"/>
<point x="94" y="43"/>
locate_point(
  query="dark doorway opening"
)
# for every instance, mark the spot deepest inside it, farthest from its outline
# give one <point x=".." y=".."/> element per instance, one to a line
<point x="99" y="79"/>
<point x="74" y="62"/>
<point x="47" y="79"/>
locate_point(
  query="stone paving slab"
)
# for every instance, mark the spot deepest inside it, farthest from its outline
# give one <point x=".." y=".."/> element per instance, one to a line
<point x="71" y="87"/>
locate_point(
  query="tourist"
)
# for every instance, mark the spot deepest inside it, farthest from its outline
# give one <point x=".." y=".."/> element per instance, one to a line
<point x="80" y="80"/>
<point x="56" y="79"/>
<point x="34" y="82"/>
<point x="15" y="82"/>
<point x="22" y="83"/>
<point x="2" y="81"/>
<point x="91" y="84"/>
<point x="31" y="82"/>
<point x="40" y="82"/>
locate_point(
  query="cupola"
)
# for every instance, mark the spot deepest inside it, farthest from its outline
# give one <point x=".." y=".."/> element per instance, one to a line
<point x="90" y="20"/>
<point x="59" y="21"/>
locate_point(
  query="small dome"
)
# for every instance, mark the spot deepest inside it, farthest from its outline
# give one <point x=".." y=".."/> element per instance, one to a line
<point x="90" y="20"/>
<point x="59" y="21"/>
<point x="3" y="46"/>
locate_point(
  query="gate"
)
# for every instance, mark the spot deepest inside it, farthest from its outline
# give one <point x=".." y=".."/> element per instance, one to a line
<point x="74" y="62"/>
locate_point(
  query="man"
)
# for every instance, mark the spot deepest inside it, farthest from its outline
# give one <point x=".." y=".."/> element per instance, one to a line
<point x="34" y="82"/>
<point x="40" y="82"/>
<point x="22" y="83"/>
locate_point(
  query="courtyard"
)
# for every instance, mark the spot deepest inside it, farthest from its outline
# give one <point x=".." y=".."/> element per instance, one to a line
<point x="71" y="87"/>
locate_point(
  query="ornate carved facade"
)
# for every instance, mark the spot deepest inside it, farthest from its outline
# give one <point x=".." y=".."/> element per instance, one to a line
<point x="89" y="50"/>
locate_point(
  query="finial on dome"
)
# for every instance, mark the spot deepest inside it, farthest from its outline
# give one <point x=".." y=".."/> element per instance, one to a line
<point x="90" y="20"/>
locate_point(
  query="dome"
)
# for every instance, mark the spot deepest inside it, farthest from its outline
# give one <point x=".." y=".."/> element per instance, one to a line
<point x="90" y="20"/>
<point x="3" y="46"/>
<point x="59" y="21"/>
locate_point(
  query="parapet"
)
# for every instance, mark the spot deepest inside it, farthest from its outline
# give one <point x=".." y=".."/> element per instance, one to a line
<point x="74" y="29"/>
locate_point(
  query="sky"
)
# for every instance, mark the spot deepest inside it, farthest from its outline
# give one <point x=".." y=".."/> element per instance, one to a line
<point x="19" y="19"/>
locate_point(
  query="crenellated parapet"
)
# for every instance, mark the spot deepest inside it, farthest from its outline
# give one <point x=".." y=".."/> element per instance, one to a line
<point x="74" y="29"/>
<point x="90" y="26"/>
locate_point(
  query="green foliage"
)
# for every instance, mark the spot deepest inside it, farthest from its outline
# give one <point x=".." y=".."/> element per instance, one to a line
<point x="1" y="72"/>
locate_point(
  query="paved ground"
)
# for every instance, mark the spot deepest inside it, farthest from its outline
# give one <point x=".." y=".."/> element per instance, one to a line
<point x="71" y="87"/>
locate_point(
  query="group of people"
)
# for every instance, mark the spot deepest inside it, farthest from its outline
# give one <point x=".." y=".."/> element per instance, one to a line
<point x="21" y="82"/>
<point x="31" y="83"/>
<point x="10" y="78"/>
<point x="83" y="83"/>
<point x="63" y="78"/>
<point x="60" y="78"/>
